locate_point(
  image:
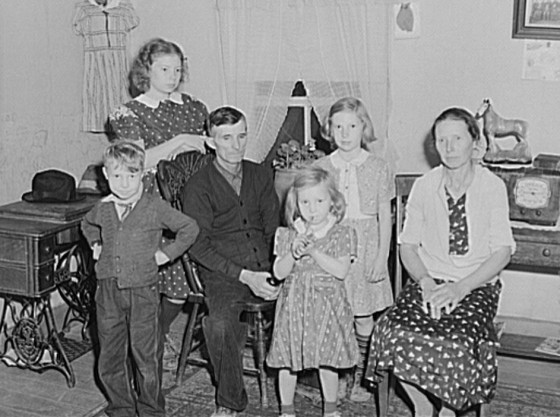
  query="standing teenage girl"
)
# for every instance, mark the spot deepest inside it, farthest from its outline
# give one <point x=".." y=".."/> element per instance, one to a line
<point x="165" y="122"/>
<point x="367" y="185"/>
<point x="313" y="324"/>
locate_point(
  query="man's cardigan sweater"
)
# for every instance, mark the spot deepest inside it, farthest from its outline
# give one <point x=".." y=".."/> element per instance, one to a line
<point x="236" y="232"/>
<point x="129" y="247"/>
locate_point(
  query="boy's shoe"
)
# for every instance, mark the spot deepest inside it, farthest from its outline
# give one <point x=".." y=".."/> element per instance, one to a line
<point x="224" y="412"/>
<point x="333" y="414"/>
<point x="287" y="415"/>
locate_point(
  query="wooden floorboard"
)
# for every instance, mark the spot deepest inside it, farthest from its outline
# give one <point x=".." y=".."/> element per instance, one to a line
<point x="24" y="393"/>
<point x="28" y="393"/>
<point x="529" y="373"/>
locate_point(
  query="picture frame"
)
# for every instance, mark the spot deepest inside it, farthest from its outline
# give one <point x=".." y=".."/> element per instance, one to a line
<point x="536" y="19"/>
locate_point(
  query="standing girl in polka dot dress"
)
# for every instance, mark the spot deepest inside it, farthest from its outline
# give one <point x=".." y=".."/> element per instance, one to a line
<point x="368" y="187"/>
<point x="166" y="123"/>
<point x="313" y="323"/>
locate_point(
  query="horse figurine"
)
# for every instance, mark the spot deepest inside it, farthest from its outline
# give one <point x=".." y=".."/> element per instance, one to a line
<point x="496" y="127"/>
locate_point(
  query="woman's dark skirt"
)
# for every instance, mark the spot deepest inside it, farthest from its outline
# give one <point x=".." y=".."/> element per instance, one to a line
<point x="453" y="358"/>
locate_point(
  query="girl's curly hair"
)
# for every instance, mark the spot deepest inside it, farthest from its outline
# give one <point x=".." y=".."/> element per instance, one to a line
<point x="140" y="72"/>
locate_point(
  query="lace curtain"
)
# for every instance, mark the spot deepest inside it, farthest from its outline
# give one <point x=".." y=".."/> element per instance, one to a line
<point x="337" y="48"/>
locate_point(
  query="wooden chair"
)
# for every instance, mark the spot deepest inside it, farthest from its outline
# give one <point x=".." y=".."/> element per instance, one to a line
<point x="403" y="185"/>
<point x="171" y="177"/>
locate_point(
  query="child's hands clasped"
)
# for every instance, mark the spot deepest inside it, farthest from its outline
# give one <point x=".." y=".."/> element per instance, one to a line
<point x="301" y="246"/>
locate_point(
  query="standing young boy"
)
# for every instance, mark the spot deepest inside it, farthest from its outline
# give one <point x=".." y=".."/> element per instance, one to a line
<point x="124" y="231"/>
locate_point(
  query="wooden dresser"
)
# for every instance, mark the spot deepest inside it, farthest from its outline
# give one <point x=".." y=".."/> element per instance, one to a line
<point x="538" y="250"/>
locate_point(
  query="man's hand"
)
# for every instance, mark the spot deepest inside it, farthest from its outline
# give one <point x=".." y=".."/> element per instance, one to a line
<point x="256" y="281"/>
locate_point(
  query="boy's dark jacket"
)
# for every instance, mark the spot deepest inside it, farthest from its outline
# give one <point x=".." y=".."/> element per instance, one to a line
<point x="129" y="247"/>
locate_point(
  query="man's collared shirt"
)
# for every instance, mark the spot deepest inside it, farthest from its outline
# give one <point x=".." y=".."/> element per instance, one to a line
<point x="234" y="180"/>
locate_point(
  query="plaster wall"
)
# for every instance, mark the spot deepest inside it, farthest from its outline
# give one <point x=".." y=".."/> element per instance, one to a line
<point x="41" y="64"/>
<point x="465" y="53"/>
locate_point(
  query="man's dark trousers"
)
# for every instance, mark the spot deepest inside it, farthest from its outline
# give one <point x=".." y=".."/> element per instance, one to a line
<point x="226" y="336"/>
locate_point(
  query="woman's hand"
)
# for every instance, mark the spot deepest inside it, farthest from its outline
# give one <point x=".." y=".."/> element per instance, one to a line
<point x="443" y="297"/>
<point x="186" y="142"/>
<point x="427" y="285"/>
<point x="380" y="271"/>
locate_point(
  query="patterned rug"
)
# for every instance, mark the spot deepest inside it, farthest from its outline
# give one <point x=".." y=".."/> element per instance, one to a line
<point x="196" y="398"/>
<point x="74" y="348"/>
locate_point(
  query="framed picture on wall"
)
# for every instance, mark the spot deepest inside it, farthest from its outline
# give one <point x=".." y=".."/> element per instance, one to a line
<point x="536" y="19"/>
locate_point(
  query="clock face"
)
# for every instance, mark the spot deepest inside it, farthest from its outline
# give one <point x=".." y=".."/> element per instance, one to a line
<point x="532" y="192"/>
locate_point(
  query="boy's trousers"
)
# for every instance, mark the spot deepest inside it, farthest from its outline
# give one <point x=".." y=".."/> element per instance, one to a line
<point x="130" y="341"/>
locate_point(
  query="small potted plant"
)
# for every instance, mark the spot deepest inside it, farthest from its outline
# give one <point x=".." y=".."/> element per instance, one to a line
<point x="290" y="157"/>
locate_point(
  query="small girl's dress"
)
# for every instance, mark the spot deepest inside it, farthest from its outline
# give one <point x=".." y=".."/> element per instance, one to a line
<point x="314" y="322"/>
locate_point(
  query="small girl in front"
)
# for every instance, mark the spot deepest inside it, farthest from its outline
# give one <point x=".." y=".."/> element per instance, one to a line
<point x="367" y="185"/>
<point x="313" y="323"/>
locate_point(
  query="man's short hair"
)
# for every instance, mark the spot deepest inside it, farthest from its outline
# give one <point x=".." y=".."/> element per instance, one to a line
<point x="225" y="115"/>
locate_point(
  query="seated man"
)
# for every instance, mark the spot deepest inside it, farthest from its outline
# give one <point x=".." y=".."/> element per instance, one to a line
<point x="237" y="210"/>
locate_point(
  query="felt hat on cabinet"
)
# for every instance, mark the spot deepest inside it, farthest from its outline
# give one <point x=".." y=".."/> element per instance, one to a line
<point x="53" y="186"/>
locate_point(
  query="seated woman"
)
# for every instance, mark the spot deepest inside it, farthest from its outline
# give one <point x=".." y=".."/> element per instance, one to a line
<point x="439" y="338"/>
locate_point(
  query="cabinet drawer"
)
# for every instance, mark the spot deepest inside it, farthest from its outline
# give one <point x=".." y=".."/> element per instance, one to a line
<point x="12" y="249"/>
<point x="44" y="250"/>
<point x="537" y="254"/>
<point x="18" y="280"/>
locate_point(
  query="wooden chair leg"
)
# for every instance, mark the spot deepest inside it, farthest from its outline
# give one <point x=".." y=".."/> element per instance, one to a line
<point x="384" y="389"/>
<point x="186" y="345"/>
<point x="260" y="356"/>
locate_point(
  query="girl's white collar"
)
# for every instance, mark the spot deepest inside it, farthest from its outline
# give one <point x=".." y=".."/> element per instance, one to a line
<point x="337" y="159"/>
<point x="175" y="97"/>
<point x="111" y="4"/>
